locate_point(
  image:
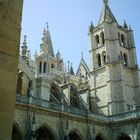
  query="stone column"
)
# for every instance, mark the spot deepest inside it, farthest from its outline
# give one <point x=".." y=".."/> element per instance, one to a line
<point x="10" y="20"/>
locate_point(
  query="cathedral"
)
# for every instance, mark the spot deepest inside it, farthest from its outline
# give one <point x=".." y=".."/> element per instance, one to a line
<point x="98" y="102"/>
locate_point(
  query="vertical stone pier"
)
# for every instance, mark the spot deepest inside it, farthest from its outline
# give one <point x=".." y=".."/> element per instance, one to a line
<point x="10" y="28"/>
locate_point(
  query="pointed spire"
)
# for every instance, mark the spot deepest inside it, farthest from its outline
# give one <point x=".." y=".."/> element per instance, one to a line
<point x="125" y="25"/>
<point x="24" y="47"/>
<point x="71" y="70"/>
<point x="82" y="55"/>
<point x="44" y="32"/>
<point x="58" y="55"/>
<point x="106" y="15"/>
<point x="105" y="1"/>
<point x="46" y="45"/>
<point x="68" y="66"/>
<point x="130" y="28"/>
<point x="91" y="27"/>
<point x="47" y="26"/>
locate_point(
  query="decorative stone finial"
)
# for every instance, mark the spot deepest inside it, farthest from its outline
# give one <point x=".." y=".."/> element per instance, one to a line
<point x="44" y="31"/>
<point x="82" y="55"/>
<point x="24" y="42"/>
<point x="125" y="24"/>
<point x="47" y="26"/>
<point x="91" y="27"/>
<point x="105" y="1"/>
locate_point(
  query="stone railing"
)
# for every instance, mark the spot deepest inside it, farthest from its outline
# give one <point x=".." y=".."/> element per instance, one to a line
<point x="56" y="72"/>
<point x="125" y="116"/>
<point x="75" y="111"/>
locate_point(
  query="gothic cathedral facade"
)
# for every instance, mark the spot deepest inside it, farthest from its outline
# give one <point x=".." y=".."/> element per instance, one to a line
<point x="98" y="102"/>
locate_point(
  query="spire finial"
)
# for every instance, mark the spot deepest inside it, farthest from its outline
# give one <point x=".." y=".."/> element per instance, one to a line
<point x="47" y="26"/>
<point x="82" y="55"/>
<point x="125" y="24"/>
<point x="105" y="1"/>
<point x="25" y="42"/>
<point x="44" y="31"/>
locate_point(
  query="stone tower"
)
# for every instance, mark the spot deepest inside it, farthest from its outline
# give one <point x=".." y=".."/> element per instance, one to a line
<point x="10" y="20"/>
<point x="113" y="65"/>
<point x="48" y="66"/>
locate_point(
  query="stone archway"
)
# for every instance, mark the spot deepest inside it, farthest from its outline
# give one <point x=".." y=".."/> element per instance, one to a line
<point x="99" y="137"/>
<point x="74" y="136"/>
<point x="16" y="134"/>
<point x="45" y="133"/>
<point x="123" y="136"/>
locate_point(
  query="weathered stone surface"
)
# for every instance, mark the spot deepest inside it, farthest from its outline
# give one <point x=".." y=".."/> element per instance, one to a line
<point x="10" y="19"/>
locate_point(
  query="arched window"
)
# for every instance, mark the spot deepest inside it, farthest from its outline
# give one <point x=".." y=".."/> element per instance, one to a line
<point x="44" y="67"/>
<point x="102" y="38"/>
<point x="119" y="37"/>
<point x="52" y="66"/>
<point x="16" y="133"/>
<point x="97" y="39"/>
<point x="40" y="67"/>
<point x="122" y="40"/>
<point x="125" y="59"/>
<point x="104" y="56"/>
<point x="74" y="136"/>
<point x="121" y="56"/>
<point x="45" y="133"/>
<point x="99" y="60"/>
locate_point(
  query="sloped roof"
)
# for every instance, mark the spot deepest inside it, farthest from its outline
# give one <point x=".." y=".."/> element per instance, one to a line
<point x="106" y="15"/>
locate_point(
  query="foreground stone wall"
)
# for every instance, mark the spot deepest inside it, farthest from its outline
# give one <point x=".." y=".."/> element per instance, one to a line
<point x="10" y="19"/>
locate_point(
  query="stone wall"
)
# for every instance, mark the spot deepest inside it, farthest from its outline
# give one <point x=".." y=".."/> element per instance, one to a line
<point x="10" y="19"/>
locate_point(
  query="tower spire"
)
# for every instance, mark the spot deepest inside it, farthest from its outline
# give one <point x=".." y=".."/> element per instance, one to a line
<point x="47" y="26"/>
<point x="24" y="47"/>
<point x="46" y="45"/>
<point x="105" y="1"/>
<point x="106" y="15"/>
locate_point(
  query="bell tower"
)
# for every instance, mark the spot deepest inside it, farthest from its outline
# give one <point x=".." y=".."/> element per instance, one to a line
<point x="113" y="65"/>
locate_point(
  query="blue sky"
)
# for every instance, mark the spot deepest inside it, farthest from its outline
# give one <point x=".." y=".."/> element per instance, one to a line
<point x="68" y="24"/>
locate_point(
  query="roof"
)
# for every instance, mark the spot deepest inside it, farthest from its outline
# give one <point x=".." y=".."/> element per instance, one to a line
<point x="106" y="15"/>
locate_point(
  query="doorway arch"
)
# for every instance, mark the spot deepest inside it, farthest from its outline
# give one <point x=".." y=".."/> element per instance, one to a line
<point x="16" y="133"/>
<point x="75" y="135"/>
<point x="99" y="137"/>
<point x="45" y="133"/>
<point x="123" y="136"/>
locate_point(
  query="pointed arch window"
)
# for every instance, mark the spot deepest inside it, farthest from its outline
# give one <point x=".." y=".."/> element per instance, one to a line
<point x="125" y="59"/>
<point x="97" y="39"/>
<point x="102" y="38"/>
<point x="52" y="66"/>
<point x="122" y="40"/>
<point x="44" y="67"/>
<point x="119" y="37"/>
<point x="40" y="67"/>
<point x="99" y="60"/>
<point x="104" y="57"/>
<point x="121" y="55"/>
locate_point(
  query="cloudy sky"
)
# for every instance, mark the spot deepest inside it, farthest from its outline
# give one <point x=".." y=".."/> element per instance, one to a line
<point x="68" y="23"/>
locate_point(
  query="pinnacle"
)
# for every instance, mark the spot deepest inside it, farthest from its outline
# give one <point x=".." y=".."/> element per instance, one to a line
<point x="105" y="1"/>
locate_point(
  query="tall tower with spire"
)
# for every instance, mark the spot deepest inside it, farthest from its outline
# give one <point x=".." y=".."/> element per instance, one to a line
<point x="48" y="66"/>
<point x="113" y="64"/>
